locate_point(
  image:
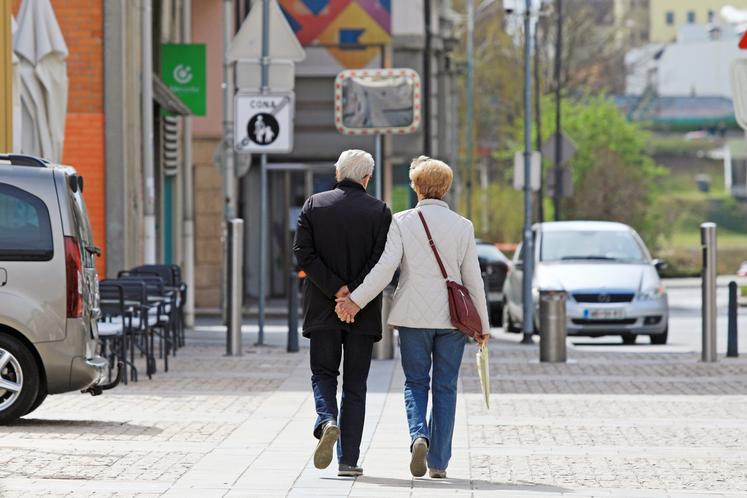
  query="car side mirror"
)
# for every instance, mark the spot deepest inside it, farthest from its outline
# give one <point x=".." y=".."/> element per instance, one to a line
<point x="659" y="264"/>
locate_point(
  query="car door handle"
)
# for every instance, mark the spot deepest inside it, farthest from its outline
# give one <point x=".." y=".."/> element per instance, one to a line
<point x="3" y="277"/>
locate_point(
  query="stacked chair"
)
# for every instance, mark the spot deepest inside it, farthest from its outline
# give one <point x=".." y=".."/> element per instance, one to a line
<point x="141" y="306"/>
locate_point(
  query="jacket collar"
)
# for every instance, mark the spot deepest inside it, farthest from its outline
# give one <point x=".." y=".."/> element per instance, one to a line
<point x="349" y="184"/>
<point x="433" y="202"/>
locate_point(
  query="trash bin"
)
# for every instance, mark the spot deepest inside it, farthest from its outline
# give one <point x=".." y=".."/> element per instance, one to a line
<point x="384" y="349"/>
<point x="552" y="326"/>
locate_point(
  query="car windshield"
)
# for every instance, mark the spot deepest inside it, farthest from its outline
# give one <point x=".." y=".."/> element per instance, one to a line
<point x="489" y="253"/>
<point x="591" y="245"/>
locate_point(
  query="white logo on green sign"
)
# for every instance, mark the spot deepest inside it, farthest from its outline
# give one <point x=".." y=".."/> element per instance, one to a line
<point x="182" y="74"/>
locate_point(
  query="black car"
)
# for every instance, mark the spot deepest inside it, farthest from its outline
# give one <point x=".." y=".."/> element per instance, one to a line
<point x="494" y="267"/>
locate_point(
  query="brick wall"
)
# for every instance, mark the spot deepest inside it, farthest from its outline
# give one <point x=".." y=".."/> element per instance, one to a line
<point x="82" y="24"/>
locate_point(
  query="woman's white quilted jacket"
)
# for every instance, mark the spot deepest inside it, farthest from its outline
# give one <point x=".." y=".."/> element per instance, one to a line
<point x="420" y="300"/>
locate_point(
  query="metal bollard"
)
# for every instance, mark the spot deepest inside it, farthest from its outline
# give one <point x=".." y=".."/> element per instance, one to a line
<point x="292" y="346"/>
<point x="732" y="349"/>
<point x="384" y="349"/>
<point x="235" y="286"/>
<point x="708" y="291"/>
<point x="553" y="330"/>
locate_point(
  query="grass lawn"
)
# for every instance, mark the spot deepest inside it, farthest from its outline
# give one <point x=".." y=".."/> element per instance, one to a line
<point x="724" y="239"/>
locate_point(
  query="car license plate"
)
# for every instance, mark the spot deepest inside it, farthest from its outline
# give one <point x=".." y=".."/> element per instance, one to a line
<point x="604" y="313"/>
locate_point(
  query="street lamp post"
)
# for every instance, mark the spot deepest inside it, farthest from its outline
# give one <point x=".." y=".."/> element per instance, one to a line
<point x="470" y="101"/>
<point x="528" y="304"/>
<point x="558" y="143"/>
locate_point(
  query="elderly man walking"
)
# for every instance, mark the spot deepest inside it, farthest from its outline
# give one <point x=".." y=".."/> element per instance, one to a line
<point x="340" y="237"/>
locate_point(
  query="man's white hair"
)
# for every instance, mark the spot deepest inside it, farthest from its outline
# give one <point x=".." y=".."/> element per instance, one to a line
<point x="354" y="164"/>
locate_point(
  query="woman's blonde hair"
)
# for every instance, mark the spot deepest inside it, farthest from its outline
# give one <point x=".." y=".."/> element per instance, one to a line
<point x="430" y="178"/>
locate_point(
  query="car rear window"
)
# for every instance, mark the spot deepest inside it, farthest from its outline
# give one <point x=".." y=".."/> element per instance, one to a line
<point x="25" y="230"/>
<point x="489" y="253"/>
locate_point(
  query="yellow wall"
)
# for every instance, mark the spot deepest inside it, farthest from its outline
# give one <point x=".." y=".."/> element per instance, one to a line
<point x="6" y="107"/>
<point x="661" y="32"/>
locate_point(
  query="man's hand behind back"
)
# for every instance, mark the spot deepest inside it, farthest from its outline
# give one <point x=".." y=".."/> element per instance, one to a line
<point x="342" y="292"/>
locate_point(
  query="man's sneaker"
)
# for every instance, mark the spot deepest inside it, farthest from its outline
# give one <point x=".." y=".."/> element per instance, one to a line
<point x="437" y="474"/>
<point x="349" y="471"/>
<point x="325" y="446"/>
<point x="419" y="453"/>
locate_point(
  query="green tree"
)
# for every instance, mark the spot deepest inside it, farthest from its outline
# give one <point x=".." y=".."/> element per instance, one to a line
<point x="614" y="177"/>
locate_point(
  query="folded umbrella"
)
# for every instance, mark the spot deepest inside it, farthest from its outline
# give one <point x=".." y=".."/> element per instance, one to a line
<point x="483" y="370"/>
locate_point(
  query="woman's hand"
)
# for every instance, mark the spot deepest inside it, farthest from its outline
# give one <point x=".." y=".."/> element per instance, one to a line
<point x="346" y="309"/>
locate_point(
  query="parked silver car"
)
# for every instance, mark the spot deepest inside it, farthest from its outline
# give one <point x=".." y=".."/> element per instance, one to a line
<point x="611" y="282"/>
<point x="48" y="287"/>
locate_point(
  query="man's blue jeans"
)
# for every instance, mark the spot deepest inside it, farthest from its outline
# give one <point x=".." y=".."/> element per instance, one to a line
<point x="443" y="349"/>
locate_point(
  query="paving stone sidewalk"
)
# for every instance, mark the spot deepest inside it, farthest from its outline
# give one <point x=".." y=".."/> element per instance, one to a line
<point x="604" y="424"/>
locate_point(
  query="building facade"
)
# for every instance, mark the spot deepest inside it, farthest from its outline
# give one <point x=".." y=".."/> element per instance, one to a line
<point x="82" y="25"/>
<point x="667" y="16"/>
<point x="142" y="152"/>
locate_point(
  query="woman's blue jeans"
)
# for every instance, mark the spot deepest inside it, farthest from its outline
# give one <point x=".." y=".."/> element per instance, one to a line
<point x="443" y="350"/>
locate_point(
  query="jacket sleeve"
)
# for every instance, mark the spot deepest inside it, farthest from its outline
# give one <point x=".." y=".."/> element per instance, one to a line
<point x="308" y="259"/>
<point x="377" y="251"/>
<point x="472" y="279"/>
<point x="381" y="274"/>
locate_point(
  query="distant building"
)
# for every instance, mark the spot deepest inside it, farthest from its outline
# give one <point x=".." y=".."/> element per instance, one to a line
<point x="667" y="69"/>
<point x="667" y="16"/>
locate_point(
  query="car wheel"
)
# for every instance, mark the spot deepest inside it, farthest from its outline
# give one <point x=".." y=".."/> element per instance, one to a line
<point x="508" y="322"/>
<point x="628" y="339"/>
<point x="19" y="379"/>
<point x="496" y="315"/>
<point x="660" y="338"/>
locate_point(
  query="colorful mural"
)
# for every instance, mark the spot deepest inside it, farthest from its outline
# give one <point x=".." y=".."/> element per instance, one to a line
<point x="352" y="30"/>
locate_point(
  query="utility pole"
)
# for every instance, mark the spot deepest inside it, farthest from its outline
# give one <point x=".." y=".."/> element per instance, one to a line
<point x="538" y="118"/>
<point x="558" y="143"/>
<point x="470" y="101"/>
<point x="528" y="303"/>
<point x="427" y="78"/>
<point x="263" y="179"/>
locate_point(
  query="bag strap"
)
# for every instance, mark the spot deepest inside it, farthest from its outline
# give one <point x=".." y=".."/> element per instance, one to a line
<point x="433" y="245"/>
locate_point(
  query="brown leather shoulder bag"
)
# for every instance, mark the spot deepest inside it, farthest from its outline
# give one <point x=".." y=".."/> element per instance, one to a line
<point x="463" y="312"/>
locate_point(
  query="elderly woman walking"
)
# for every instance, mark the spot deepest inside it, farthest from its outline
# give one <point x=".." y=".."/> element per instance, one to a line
<point x="420" y="309"/>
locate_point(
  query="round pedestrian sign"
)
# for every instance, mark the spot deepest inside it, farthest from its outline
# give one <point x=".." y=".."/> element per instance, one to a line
<point x="263" y="129"/>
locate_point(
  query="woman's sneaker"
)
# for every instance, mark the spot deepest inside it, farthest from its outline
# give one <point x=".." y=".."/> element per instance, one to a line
<point x="437" y="474"/>
<point x="419" y="453"/>
<point x="325" y="446"/>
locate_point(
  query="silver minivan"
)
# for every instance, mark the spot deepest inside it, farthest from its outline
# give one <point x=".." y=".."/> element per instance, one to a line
<point x="48" y="287"/>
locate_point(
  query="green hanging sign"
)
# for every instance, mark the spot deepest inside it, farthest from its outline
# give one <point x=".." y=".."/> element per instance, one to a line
<point x="183" y="71"/>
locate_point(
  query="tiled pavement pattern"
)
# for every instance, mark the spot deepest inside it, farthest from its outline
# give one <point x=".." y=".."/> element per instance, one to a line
<point x="605" y="424"/>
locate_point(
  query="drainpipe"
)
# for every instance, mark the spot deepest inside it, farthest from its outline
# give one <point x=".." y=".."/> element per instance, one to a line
<point x="146" y="45"/>
<point x="229" y="175"/>
<point x="188" y="238"/>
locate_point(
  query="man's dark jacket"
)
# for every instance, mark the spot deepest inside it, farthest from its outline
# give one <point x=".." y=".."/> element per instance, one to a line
<point x="340" y="237"/>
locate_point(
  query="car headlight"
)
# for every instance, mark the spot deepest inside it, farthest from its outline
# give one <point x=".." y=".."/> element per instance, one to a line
<point x="651" y="294"/>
